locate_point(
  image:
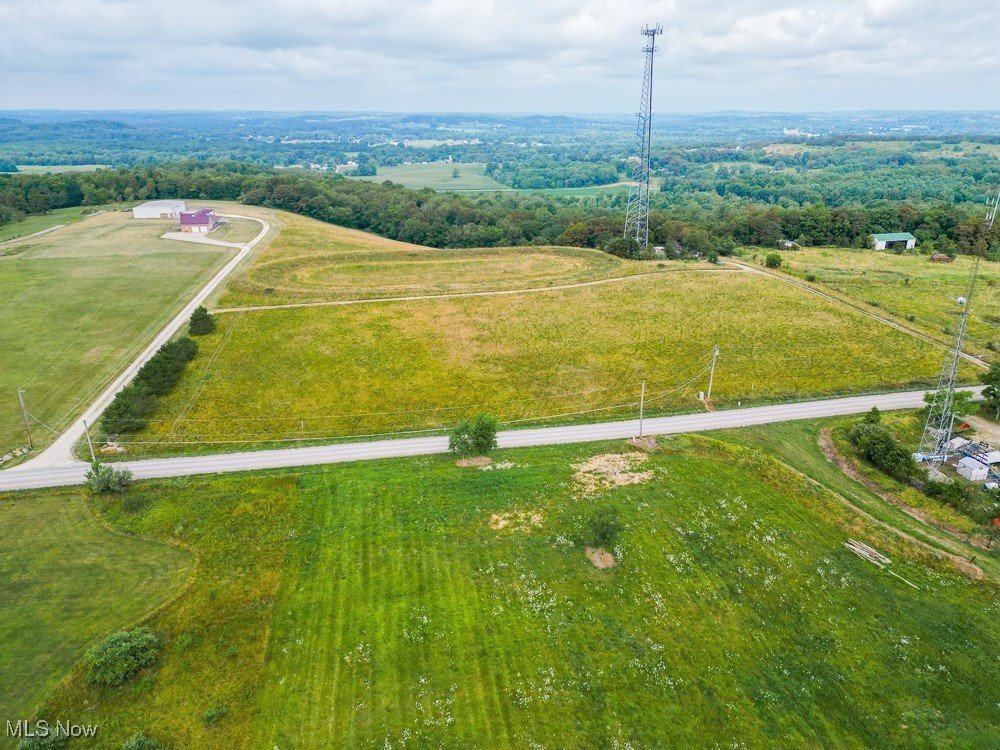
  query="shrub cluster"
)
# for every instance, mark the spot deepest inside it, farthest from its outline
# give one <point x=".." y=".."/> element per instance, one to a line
<point x="103" y="479"/>
<point x="875" y="443"/>
<point x="474" y="437"/>
<point x="132" y="407"/>
<point x="140" y="741"/>
<point x="122" y="655"/>
<point x="55" y="739"/>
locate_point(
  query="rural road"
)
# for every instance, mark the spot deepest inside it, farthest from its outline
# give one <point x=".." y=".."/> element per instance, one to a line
<point x="61" y="451"/>
<point x="33" y="475"/>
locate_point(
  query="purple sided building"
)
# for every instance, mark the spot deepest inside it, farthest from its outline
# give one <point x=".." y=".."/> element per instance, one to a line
<point x="203" y="220"/>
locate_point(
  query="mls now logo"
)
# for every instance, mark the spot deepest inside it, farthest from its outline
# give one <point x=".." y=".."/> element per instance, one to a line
<point x="24" y="729"/>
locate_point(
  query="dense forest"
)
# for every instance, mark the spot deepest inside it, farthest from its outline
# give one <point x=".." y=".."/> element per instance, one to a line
<point x="490" y="220"/>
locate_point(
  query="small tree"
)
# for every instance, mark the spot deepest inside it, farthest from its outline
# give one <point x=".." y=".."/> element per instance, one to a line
<point x="991" y="392"/>
<point x="773" y="260"/>
<point x="605" y="527"/>
<point x="961" y="402"/>
<point x="873" y="417"/>
<point x="122" y="655"/>
<point x="455" y="173"/>
<point x="103" y="479"/>
<point x="474" y="437"/>
<point x="623" y="247"/>
<point x="201" y="322"/>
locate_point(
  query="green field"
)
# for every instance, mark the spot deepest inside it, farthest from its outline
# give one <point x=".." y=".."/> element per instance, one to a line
<point x="310" y="261"/>
<point x="438" y="175"/>
<point x="381" y="605"/>
<point x="78" y="304"/>
<point x="908" y="285"/>
<point x="57" y="168"/>
<point x="38" y="222"/>
<point x="320" y="372"/>
<point x="65" y="582"/>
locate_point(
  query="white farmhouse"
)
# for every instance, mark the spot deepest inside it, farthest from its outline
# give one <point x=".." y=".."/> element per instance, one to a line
<point x="159" y="210"/>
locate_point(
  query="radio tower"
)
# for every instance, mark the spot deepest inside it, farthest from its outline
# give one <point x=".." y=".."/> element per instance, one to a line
<point x="637" y="213"/>
<point x="937" y="431"/>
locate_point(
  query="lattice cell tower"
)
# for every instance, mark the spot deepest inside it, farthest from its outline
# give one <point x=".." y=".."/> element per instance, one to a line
<point x="637" y="213"/>
<point x="938" y="428"/>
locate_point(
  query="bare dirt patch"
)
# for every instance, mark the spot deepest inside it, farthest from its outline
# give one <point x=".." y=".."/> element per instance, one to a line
<point x="516" y="521"/>
<point x="647" y="443"/>
<point x="479" y="461"/>
<point x="601" y="558"/>
<point x="500" y="465"/>
<point x="611" y="470"/>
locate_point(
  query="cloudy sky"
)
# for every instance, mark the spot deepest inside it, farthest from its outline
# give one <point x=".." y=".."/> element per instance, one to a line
<point x="497" y="55"/>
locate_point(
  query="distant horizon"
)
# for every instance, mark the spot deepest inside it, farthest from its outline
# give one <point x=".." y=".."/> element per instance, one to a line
<point x="506" y="113"/>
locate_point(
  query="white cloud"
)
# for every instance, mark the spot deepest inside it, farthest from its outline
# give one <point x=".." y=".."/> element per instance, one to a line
<point x="540" y="55"/>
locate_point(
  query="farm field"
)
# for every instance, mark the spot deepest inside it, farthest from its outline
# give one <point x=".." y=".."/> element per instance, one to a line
<point x="322" y="372"/>
<point x="57" y="168"/>
<point x="415" y="603"/>
<point x="38" y="222"/>
<point x="313" y="261"/>
<point x="81" y="302"/>
<point x="908" y="285"/>
<point x="65" y="582"/>
<point x="438" y="175"/>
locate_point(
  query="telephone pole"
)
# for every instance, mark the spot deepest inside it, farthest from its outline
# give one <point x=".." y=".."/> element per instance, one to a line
<point x="24" y="412"/>
<point x="637" y="211"/>
<point x="90" y="444"/>
<point x="642" y="404"/>
<point x="711" y="376"/>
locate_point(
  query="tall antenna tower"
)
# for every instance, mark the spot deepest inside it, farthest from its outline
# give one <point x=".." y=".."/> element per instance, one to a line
<point x="637" y="213"/>
<point x="938" y="428"/>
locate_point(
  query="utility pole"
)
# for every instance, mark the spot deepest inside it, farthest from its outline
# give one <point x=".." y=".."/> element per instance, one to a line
<point x="93" y="458"/>
<point x="24" y="411"/>
<point x="642" y="404"/>
<point x="711" y="377"/>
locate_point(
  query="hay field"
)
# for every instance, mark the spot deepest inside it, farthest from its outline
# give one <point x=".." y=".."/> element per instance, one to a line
<point x="379" y="605"/>
<point x="78" y="304"/>
<point x="438" y="175"/>
<point x="373" y="368"/>
<point x="908" y="285"/>
<point x="312" y="261"/>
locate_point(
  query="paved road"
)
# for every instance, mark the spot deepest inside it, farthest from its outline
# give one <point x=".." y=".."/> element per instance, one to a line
<point x="29" y="476"/>
<point x="61" y="451"/>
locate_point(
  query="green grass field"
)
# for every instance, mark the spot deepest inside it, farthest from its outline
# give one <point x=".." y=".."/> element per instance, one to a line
<point x="438" y="175"/>
<point x="57" y="168"/>
<point x="78" y="304"/>
<point x="319" y="372"/>
<point x="908" y="285"/>
<point x="312" y="261"/>
<point x="39" y="222"/>
<point x="380" y="605"/>
<point x="65" y="582"/>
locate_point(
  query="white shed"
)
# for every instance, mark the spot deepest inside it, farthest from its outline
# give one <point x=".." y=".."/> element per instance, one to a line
<point x="972" y="470"/>
<point x="957" y="443"/>
<point x="159" y="210"/>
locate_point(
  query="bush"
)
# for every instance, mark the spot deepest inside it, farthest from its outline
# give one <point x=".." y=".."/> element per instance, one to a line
<point x="213" y="714"/>
<point x="56" y="738"/>
<point x="140" y="741"/>
<point x="103" y="479"/>
<point x="773" y="260"/>
<point x="810" y="277"/>
<point x="875" y="443"/>
<point x="474" y="437"/>
<point x="122" y="655"/>
<point x="873" y="417"/>
<point x="605" y="527"/>
<point x="201" y="322"/>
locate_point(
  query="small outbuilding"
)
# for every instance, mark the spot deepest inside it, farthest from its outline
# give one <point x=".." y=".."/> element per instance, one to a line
<point x="941" y="258"/>
<point x="972" y="470"/>
<point x="884" y="240"/>
<point x="158" y="210"/>
<point x="203" y="221"/>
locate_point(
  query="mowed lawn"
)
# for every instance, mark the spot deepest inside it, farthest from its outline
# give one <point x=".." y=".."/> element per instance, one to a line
<point x="439" y="176"/>
<point x="909" y="285"/>
<point x="78" y="304"/>
<point x="65" y="582"/>
<point x="311" y="261"/>
<point x="381" y="367"/>
<point x="382" y="604"/>
<point x="39" y="222"/>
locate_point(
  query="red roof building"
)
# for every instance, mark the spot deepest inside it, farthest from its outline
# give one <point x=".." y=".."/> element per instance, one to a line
<point x="203" y="220"/>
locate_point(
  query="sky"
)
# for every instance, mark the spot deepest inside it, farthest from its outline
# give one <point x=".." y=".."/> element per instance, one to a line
<point x="497" y="55"/>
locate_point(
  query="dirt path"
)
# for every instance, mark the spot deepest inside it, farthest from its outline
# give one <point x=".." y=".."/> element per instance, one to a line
<point x="857" y="307"/>
<point x="31" y="236"/>
<point x="833" y="455"/>
<point x="456" y="295"/>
